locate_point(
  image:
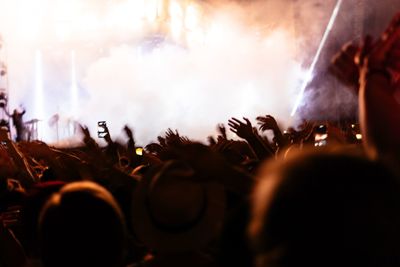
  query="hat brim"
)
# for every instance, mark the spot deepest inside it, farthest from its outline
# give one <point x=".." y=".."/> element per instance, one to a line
<point x="194" y="238"/>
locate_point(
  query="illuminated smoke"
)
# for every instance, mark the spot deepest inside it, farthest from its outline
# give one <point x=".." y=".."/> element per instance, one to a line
<point x="193" y="90"/>
<point x="74" y="86"/>
<point x="189" y="70"/>
<point x="39" y="106"/>
<point x="309" y="74"/>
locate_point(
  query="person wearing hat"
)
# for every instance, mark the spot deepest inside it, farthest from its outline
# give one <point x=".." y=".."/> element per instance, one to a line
<point x="176" y="215"/>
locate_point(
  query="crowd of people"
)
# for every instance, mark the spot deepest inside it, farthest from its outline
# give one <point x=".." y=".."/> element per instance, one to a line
<point x="324" y="194"/>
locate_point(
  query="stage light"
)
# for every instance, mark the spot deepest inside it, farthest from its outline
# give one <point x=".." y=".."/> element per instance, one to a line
<point x="152" y="10"/>
<point x="176" y="19"/>
<point x="74" y="86"/>
<point x="191" y="17"/>
<point x="39" y="91"/>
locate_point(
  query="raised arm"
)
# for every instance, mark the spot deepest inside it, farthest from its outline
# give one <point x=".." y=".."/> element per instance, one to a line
<point x="245" y="130"/>
<point x="379" y="96"/>
<point x="379" y="91"/>
<point x="269" y="123"/>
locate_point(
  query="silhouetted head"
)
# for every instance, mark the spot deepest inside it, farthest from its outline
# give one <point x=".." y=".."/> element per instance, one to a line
<point x="324" y="209"/>
<point x="172" y="211"/>
<point x="36" y="198"/>
<point x="81" y="225"/>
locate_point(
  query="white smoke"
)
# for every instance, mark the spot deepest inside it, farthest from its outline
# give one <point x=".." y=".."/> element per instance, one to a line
<point x="247" y="63"/>
<point x="192" y="90"/>
<point x="241" y="69"/>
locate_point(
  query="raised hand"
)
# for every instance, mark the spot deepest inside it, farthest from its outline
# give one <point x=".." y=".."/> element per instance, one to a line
<point x="85" y="131"/>
<point x="386" y="51"/>
<point x="131" y="140"/>
<point x="241" y="129"/>
<point x="267" y="123"/>
<point x="345" y="67"/>
<point x="161" y="141"/>
<point x="211" y="141"/>
<point x="222" y="130"/>
<point x="87" y="138"/>
<point x="169" y="134"/>
<point x="107" y="136"/>
<point x="128" y="131"/>
<point x="246" y="131"/>
<point x="379" y="107"/>
<point x="172" y="138"/>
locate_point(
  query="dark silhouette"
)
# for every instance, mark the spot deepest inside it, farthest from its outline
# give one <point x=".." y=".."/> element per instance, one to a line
<point x="18" y="122"/>
<point x="327" y="209"/>
<point x="328" y="195"/>
<point x="82" y="225"/>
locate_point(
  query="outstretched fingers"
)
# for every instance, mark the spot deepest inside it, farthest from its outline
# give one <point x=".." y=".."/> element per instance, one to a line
<point x="247" y="121"/>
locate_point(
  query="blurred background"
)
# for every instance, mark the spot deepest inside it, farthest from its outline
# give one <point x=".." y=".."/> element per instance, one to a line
<point x="183" y="64"/>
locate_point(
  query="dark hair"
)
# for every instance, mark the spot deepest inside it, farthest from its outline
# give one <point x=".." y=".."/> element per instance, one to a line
<point x="81" y="225"/>
<point x="35" y="200"/>
<point x="324" y="209"/>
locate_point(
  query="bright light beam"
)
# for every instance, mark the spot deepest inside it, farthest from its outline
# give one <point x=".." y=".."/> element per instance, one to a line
<point x="309" y="74"/>
<point x="39" y="94"/>
<point x="74" y="86"/>
<point x="39" y="90"/>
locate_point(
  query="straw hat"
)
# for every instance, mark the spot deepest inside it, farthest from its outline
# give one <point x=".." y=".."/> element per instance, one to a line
<point x="174" y="211"/>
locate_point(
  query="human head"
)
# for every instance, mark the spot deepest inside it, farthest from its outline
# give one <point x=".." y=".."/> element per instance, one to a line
<point x="173" y="211"/>
<point x="35" y="200"/>
<point x="324" y="209"/>
<point x="81" y="225"/>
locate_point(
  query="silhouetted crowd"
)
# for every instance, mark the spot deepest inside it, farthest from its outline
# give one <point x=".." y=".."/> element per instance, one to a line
<point x="324" y="194"/>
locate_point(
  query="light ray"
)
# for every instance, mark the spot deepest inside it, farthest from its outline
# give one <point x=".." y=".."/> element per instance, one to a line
<point x="39" y="91"/>
<point x="74" y="86"/>
<point x="309" y="74"/>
